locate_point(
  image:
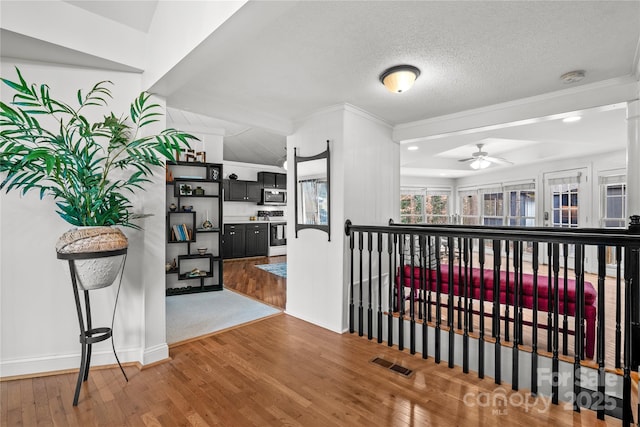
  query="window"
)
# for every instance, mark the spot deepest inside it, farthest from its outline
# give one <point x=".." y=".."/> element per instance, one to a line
<point x="565" y="205"/>
<point x="314" y="201"/>
<point x="492" y="208"/>
<point x="411" y="206"/>
<point x="419" y="205"/>
<point x="613" y="196"/>
<point x="437" y="207"/>
<point x="522" y="205"/>
<point x="615" y="205"/>
<point x="513" y="205"/>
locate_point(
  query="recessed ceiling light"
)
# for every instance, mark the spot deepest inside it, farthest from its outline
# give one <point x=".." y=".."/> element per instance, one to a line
<point x="412" y="148"/>
<point x="572" y="119"/>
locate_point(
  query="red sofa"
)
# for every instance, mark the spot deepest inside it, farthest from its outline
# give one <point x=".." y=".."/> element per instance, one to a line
<point x="590" y="295"/>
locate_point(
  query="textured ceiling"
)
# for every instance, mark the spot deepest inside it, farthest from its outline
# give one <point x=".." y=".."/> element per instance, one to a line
<point x="311" y="55"/>
<point x="274" y="62"/>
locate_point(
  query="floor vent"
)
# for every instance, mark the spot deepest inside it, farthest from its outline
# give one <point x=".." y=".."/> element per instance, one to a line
<point x="392" y="366"/>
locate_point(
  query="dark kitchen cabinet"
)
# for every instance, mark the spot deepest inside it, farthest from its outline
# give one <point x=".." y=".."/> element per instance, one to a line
<point x="233" y="241"/>
<point x="257" y="240"/>
<point x="245" y="240"/>
<point x="272" y="180"/>
<point x="241" y="191"/>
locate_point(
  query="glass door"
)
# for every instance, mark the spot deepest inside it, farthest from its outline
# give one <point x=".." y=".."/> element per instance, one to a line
<point x="565" y="203"/>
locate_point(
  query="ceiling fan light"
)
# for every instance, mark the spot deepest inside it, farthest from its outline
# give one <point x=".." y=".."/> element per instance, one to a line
<point x="479" y="164"/>
<point x="400" y="78"/>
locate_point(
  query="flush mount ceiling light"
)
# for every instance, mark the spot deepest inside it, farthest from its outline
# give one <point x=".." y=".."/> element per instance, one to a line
<point x="400" y="78"/>
<point x="572" y="76"/>
<point x="412" y="148"/>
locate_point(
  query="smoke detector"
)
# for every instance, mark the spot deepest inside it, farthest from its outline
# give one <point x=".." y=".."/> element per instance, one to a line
<point x="572" y="76"/>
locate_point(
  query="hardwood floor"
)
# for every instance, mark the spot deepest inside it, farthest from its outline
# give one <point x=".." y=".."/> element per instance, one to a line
<point x="279" y="371"/>
<point x="242" y="276"/>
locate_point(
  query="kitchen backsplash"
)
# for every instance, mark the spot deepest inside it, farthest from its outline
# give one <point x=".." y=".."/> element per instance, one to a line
<point x="239" y="210"/>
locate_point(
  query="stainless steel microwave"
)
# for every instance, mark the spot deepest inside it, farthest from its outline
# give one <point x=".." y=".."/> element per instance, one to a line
<point x="271" y="196"/>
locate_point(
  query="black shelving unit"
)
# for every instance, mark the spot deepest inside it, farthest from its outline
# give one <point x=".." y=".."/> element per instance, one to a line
<point x="194" y="196"/>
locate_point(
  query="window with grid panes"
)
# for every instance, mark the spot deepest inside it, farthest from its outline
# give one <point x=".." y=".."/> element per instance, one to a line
<point x="412" y="205"/>
<point x="436" y="207"/>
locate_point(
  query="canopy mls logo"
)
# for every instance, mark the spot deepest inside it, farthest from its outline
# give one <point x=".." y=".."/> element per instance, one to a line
<point x="500" y="399"/>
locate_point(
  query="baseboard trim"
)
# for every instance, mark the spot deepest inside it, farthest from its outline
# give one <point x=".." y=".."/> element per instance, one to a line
<point x="61" y="364"/>
<point x="154" y="354"/>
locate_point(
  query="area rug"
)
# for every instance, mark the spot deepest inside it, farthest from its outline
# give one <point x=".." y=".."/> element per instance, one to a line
<point x="279" y="269"/>
<point x="194" y="315"/>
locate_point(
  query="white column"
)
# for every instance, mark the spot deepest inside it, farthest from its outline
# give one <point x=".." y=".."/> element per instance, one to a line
<point x="633" y="157"/>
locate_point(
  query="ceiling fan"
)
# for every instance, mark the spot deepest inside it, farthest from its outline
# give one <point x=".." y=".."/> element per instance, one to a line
<point x="481" y="159"/>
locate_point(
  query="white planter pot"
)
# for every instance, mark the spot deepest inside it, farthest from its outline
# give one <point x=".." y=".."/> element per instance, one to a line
<point x="99" y="271"/>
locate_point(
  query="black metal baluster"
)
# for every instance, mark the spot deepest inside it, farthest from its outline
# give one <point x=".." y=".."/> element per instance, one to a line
<point x="465" y="334"/>
<point x="370" y="308"/>
<point x="351" y="306"/>
<point x="450" y="318"/>
<point x="379" y="287"/>
<point x="578" y="316"/>
<point x="423" y="300"/>
<point x="516" y="315"/>
<point x="630" y="256"/>
<point x="459" y="282"/>
<point x="481" y="338"/>
<point x="618" y="306"/>
<point x="507" y="285"/>
<point x="393" y="277"/>
<point x="438" y="305"/>
<point x="496" y="309"/>
<point x="602" y="271"/>
<point x="401" y="293"/>
<point x="471" y="288"/>
<point x="549" y="297"/>
<point x="534" y="344"/>
<point x="565" y="301"/>
<point x="432" y="252"/>
<point x="360" y="307"/>
<point x="420" y="295"/>
<point x="556" y="302"/>
<point x="412" y="297"/>
<point x="521" y="299"/>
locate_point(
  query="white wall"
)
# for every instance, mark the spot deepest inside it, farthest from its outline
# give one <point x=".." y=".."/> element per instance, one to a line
<point x="39" y="327"/>
<point x="364" y="188"/>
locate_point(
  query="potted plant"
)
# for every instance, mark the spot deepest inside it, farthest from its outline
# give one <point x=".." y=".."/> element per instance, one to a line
<point x="90" y="169"/>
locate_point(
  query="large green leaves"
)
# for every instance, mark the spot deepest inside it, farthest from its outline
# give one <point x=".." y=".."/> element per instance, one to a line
<point x="87" y="168"/>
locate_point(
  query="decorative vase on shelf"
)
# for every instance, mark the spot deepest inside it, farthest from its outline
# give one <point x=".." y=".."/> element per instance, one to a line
<point x="206" y="223"/>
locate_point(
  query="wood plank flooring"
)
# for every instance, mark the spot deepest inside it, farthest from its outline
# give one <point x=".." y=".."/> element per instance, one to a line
<point x="242" y="276"/>
<point x="278" y="371"/>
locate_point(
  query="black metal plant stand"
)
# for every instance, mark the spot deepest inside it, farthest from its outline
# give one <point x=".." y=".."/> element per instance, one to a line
<point x="88" y="334"/>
